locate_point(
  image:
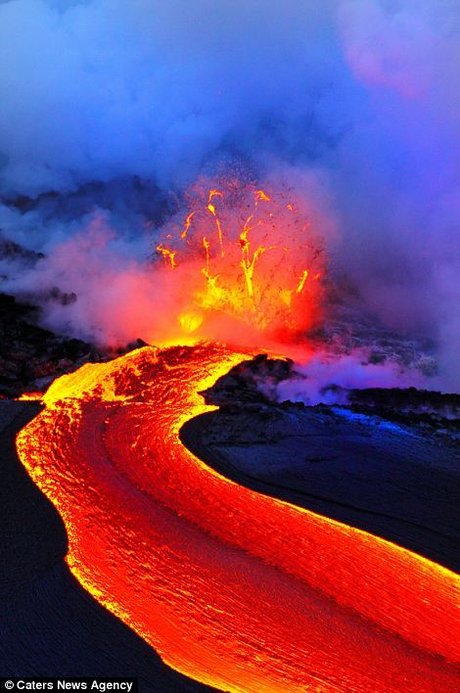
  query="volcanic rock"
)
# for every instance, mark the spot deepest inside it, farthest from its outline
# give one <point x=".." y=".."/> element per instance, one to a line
<point x="241" y="386"/>
<point x="31" y="356"/>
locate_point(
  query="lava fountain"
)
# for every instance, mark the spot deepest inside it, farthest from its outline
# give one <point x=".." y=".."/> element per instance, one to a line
<point x="242" y="259"/>
<point x="236" y="589"/>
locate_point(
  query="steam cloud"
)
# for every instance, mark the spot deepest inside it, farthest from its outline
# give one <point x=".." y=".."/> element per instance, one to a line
<point x="118" y="105"/>
<point x="328" y="379"/>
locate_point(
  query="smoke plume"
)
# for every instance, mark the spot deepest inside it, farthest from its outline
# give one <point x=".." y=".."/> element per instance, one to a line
<point x="112" y="109"/>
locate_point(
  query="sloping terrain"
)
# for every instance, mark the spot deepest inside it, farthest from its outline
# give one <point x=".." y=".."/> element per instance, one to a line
<point x="236" y="589"/>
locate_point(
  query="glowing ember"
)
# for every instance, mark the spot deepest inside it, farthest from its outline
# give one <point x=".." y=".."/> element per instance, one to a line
<point x="30" y="396"/>
<point x="236" y="589"/>
<point x="169" y="255"/>
<point x="244" y="257"/>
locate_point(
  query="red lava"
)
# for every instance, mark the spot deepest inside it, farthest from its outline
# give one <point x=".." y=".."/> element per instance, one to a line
<point x="236" y="589"/>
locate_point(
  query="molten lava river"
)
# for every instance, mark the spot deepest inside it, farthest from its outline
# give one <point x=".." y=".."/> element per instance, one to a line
<point x="233" y="588"/>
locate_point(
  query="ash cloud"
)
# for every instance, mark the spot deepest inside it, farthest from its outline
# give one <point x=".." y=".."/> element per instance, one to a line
<point x="359" y="96"/>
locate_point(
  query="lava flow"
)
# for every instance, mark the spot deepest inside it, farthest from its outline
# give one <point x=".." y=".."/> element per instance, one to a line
<point x="236" y="589"/>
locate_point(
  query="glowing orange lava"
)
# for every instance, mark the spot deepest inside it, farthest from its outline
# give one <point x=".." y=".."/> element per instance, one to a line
<point x="236" y="589"/>
<point x="244" y="259"/>
<point x="30" y="396"/>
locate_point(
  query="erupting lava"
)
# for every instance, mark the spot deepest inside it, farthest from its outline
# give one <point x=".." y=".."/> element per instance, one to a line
<point x="236" y="589"/>
<point x="246" y="259"/>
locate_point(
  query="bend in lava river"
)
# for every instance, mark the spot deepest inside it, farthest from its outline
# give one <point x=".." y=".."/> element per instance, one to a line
<point x="236" y="589"/>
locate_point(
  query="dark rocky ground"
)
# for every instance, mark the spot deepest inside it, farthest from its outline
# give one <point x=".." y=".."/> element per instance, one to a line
<point x="397" y="480"/>
<point x="253" y="384"/>
<point x="31" y="357"/>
